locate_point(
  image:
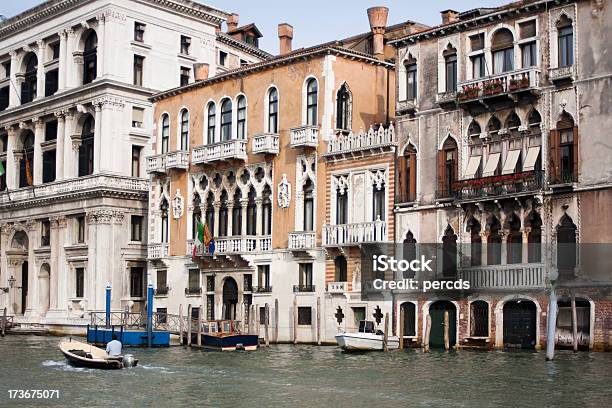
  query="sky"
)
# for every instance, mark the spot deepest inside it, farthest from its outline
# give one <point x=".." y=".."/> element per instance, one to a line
<point x="314" y="21"/>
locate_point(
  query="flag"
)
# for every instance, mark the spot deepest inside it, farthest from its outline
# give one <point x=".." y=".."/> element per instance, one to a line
<point x="208" y="240"/>
<point x="2" y="171"/>
<point x="199" y="238"/>
<point x="28" y="169"/>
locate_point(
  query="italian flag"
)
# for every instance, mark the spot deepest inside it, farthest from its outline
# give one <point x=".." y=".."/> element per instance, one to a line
<point x="203" y="237"/>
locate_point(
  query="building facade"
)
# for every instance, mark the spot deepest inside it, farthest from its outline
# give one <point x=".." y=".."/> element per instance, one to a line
<point x="503" y="164"/>
<point x="75" y="124"/>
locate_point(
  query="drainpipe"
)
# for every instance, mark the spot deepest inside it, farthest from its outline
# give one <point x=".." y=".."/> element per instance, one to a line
<point x="149" y="314"/>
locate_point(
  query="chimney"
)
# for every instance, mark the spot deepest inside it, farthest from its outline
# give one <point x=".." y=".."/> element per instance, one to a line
<point x="378" y="24"/>
<point x="200" y="71"/>
<point x="232" y="22"/>
<point x="449" y="16"/>
<point x="285" y="35"/>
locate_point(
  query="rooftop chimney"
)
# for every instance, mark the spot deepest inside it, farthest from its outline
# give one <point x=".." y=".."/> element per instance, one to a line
<point x="200" y="70"/>
<point x="232" y="22"/>
<point x="378" y="24"/>
<point x="285" y="35"/>
<point x="449" y="16"/>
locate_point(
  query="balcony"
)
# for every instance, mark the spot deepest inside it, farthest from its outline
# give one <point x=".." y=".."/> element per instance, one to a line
<point x="561" y="74"/>
<point x="355" y="234"/>
<point x="357" y="144"/>
<point x="405" y="107"/>
<point x="193" y="291"/>
<point x="336" y="287"/>
<point x="303" y="288"/>
<point x="515" y="276"/>
<point x="156" y="164"/>
<point x="177" y="160"/>
<point x="266" y="143"/>
<point x="526" y="182"/>
<point x="305" y="136"/>
<point x="161" y="291"/>
<point x="158" y="251"/>
<point x="262" y="289"/>
<point x="77" y="187"/>
<point x="302" y="240"/>
<point x="222" y="151"/>
<point x="233" y="245"/>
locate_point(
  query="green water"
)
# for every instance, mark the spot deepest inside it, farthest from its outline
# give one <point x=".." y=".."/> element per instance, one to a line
<point x="309" y="376"/>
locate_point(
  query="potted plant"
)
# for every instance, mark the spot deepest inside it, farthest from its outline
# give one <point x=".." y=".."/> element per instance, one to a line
<point x="468" y="92"/>
<point x="493" y="87"/>
<point x="519" y="83"/>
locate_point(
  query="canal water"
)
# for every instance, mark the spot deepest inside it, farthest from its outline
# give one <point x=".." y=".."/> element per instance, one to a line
<point x="308" y="376"/>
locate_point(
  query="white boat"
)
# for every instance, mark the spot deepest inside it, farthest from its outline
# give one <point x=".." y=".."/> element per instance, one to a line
<point x="366" y="339"/>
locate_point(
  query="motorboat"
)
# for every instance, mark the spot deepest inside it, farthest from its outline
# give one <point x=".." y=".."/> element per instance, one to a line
<point x="225" y="335"/>
<point x="366" y="339"/>
<point x="81" y="354"/>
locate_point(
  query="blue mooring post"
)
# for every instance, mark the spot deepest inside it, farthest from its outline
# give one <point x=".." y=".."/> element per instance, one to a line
<point x="150" y="314"/>
<point x="108" y="305"/>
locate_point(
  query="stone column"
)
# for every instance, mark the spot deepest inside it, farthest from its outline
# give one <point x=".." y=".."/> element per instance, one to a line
<point x="38" y="139"/>
<point x="63" y="62"/>
<point x="71" y="161"/>
<point x="40" y="71"/>
<point x="11" y="162"/>
<point x="216" y="206"/>
<point x="59" y="145"/>
<point x="97" y="137"/>
<point x="484" y="237"/>
<point x="258" y="223"/>
<point x="230" y="218"/>
<point x="70" y="70"/>
<point x="101" y="33"/>
<point x="244" y="202"/>
<point x="13" y="90"/>
<point x="504" y="246"/>
<point x="33" y="241"/>
<point x="56" y="287"/>
<point x="525" y="242"/>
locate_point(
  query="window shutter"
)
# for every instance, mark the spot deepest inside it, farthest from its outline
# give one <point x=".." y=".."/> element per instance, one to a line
<point x="401" y="176"/>
<point x="413" y="177"/>
<point x="576" y="153"/>
<point x="553" y="149"/>
<point x="441" y="159"/>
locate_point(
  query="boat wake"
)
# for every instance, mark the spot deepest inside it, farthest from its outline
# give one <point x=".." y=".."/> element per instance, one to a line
<point x="62" y="366"/>
<point x="156" y="368"/>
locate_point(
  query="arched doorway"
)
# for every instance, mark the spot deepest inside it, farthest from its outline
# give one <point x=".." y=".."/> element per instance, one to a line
<point x="43" y="289"/>
<point x="564" y="336"/>
<point x="230" y="298"/>
<point x="24" y="287"/>
<point x="436" y="311"/>
<point x="520" y="324"/>
<point x="409" y="312"/>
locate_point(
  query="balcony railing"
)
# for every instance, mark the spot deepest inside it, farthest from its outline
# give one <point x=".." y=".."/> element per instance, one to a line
<point x="193" y="290"/>
<point x="156" y="164"/>
<point x="355" y="142"/>
<point x="228" y="150"/>
<point x="564" y="177"/>
<point x="262" y="289"/>
<point x="231" y="245"/>
<point x="336" y="287"/>
<point x="266" y="143"/>
<point x="302" y="240"/>
<point x="303" y="288"/>
<point x="561" y="73"/>
<point x="161" y="291"/>
<point x="355" y="234"/>
<point x="177" y="160"/>
<point x="514" y="276"/>
<point x="79" y="186"/>
<point x="305" y="136"/>
<point x="499" y="84"/>
<point x="494" y="186"/>
<point x="158" y="251"/>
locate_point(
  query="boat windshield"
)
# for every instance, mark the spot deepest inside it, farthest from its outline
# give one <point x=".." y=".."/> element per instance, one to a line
<point x="366" y="326"/>
<point x="227" y="327"/>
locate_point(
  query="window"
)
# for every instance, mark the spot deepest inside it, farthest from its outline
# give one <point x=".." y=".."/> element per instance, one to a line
<point x="237" y="214"/>
<point x="474" y="229"/>
<point x="359" y="314"/>
<point x="340" y="265"/>
<point x="305" y="277"/>
<point x="528" y="51"/>
<point x="263" y="276"/>
<point x="447" y="168"/>
<point x="248" y="282"/>
<point x="223" y="215"/>
<point x="51" y="82"/>
<point x="137" y="282"/>
<point x="80" y="229"/>
<point x="165" y="134"/>
<point x="164" y="220"/>
<point x="3" y="176"/>
<point x="502" y="47"/>
<point x="409" y="310"/>
<point x="479" y="319"/>
<point x="450" y="64"/>
<point x="241" y="120"/>
<point x="309" y="206"/>
<point x="185" y="44"/>
<point x="411" y="79"/>
<point x="26" y="163"/>
<point x="90" y="58"/>
<point x="195" y="313"/>
<point x="343" y="109"/>
<point x="86" y="149"/>
<point x="566" y="246"/>
<point x="185" y="75"/>
<point x="567" y="154"/>
<point x="273" y="111"/>
<point x="408" y="175"/>
<point x="136" y="227"/>
<point x="4" y="98"/>
<point x="478" y="66"/>
<point x="184" y="130"/>
<point x="534" y="238"/>
<point x="251" y="214"/>
<point x="136" y="153"/>
<point x="55" y="51"/>
<point x="138" y="69"/>
<point x="564" y="150"/>
<point x="48" y="166"/>
<point x="222" y="58"/>
<point x="378" y="196"/>
<point x="137" y="117"/>
<point x="194" y="280"/>
<point x="210" y="307"/>
<point x="79" y="278"/>
<point x="210" y="128"/>
<point x="304" y="316"/>
<point x="341" y="206"/>
<point x="477" y="42"/>
<point x="226" y="120"/>
<point x="210" y="283"/>
<point x="266" y="208"/>
<point x="162" y="315"/>
<point x="311" y="102"/>
<point x="449" y="253"/>
<point x="29" y="84"/>
<point x="263" y="318"/>
<point x="139" y="29"/>
<point x="409" y="252"/>
<point x="514" y="242"/>
<point x="565" y="42"/>
<point x="7" y="69"/>
<point x="45" y="233"/>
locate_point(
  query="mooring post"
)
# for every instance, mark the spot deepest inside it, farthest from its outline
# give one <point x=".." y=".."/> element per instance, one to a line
<point x="401" y="328"/>
<point x="3" y="322"/>
<point x="446" y="331"/>
<point x="574" y="323"/>
<point x="319" y="320"/>
<point x="189" y="325"/>
<point x="200" y="327"/>
<point x="552" y="324"/>
<point x="181" y="327"/>
<point x="108" y="305"/>
<point x="267" y="318"/>
<point x="276" y="320"/>
<point x="427" y="333"/>
<point x="386" y="334"/>
<point x="295" y="319"/>
<point x="150" y="314"/>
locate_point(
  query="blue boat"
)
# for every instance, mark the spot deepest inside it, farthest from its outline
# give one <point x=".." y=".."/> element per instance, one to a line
<point x="225" y="335"/>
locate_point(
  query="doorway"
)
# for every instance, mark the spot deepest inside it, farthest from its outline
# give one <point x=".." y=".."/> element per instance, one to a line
<point x="230" y="298"/>
<point x="24" y="286"/>
<point x="436" y="311"/>
<point x="520" y="324"/>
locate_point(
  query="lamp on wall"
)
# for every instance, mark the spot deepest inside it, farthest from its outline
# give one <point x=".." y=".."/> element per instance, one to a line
<point x="11" y="282"/>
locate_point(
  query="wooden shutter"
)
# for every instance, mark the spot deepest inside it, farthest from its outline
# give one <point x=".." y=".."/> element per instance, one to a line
<point x="576" y="153"/>
<point x="401" y="176"/>
<point x="553" y="151"/>
<point x="413" y="177"/>
<point x="441" y="160"/>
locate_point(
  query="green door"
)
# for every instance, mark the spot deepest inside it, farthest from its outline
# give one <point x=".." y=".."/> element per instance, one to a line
<point x="436" y="311"/>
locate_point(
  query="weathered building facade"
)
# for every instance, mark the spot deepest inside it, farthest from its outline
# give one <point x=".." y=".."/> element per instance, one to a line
<point x="503" y="163"/>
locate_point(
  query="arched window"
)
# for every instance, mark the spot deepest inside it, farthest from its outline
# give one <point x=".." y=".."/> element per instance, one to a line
<point x="565" y="34"/>
<point x="502" y="46"/>
<point x="90" y="57"/>
<point x="163" y="208"/>
<point x="28" y="86"/>
<point x="308" y="206"/>
<point x="26" y="164"/>
<point x="226" y="120"/>
<point x="479" y="319"/>
<point x="564" y="150"/>
<point x="165" y="133"/>
<point x="341" y="206"/>
<point x="566" y="246"/>
<point x="196" y="215"/>
<point x="512" y="124"/>
<point x="251" y="213"/>
<point x="86" y="149"/>
<point x="241" y="130"/>
<point x="378" y="201"/>
<point x="450" y="66"/>
<point x="223" y="215"/>
<point x="408" y="174"/>
<point x="449" y="253"/>
<point x="184" y="130"/>
<point x="410" y="66"/>
<point x="494" y="242"/>
<point x="210" y="213"/>
<point x="273" y="111"/>
<point x="514" y="243"/>
<point x="210" y="128"/>
<point x="447" y="168"/>
<point x="343" y="108"/>
<point x="534" y="121"/>
<point x="493" y="126"/>
<point x="409" y="310"/>
<point x="312" y="96"/>
<point x="473" y="227"/>
<point x="534" y="246"/>
<point x="266" y="208"/>
<point x="340" y="266"/>
<point x="409" y="253"/>
<point x="237" y="214"/>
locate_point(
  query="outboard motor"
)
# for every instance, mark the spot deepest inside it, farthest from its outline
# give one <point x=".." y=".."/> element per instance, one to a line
<point x="129" y="360"/>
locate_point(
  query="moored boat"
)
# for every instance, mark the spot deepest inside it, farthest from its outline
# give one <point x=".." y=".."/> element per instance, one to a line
<point x="225" y="335"/>
<point x="366" y="339"/>
<point x="81" y="354"/>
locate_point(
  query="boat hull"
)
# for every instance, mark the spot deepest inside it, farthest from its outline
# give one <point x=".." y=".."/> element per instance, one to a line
<point x="365" y="342"/>
<point x="232" y="342"/>
<point x="84" y="355"/>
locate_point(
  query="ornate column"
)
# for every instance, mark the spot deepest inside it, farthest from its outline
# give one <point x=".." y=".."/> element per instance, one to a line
<point x="525" y="235"/>
<point x="40" y="71"/>
<point x="484" y="238"/>
<point x="33" y="240"/>
<point x="97" y="136"/>
<point x="13" y="90"/>
<point x="504" y="246"/>
<point x="70" y="159"/>
<point x="38" y="139"/>
<point x="258" y="224"/>
<point x="101" y="33"/>
<point x="230" y="218"/>
<point x="105" y="142"/>
<point x="62" y="61"/>
<point x="216" y="206"/>
<point x="11" y="162"/>
<point x="244" y="202"/>
<point x="59" y="145"/>
<point x="70" y="70"/>
<point x="57" y="288"/>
